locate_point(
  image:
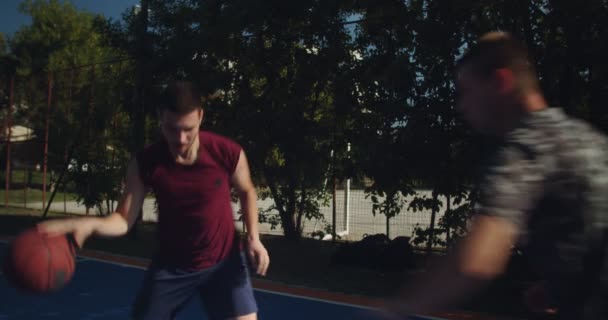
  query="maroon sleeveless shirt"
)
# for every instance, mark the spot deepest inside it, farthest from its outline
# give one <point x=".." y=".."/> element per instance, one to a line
<point x="195" y="222"/>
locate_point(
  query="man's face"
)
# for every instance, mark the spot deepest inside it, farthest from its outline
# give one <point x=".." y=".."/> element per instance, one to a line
<point x="181" y="130"/>
<point x="479" y="100"/>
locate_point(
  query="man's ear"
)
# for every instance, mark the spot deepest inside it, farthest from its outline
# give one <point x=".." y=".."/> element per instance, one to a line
<point x="504" y="80"/>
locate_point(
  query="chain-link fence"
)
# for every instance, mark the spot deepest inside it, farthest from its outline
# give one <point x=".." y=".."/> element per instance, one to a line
<point x="66" y="137"/>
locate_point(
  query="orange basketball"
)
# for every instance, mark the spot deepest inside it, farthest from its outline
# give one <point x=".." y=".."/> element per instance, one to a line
<point x="38" y="263"/>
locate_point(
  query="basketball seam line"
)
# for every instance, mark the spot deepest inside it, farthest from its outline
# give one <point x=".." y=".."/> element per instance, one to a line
<point x="72" y="258"/>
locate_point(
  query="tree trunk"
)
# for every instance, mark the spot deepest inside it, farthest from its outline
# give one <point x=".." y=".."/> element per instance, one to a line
<point x="288" y="217"/>
<point x="447" y="228"/>
<point x="299" y="226"/>
<point x="289" y="225"/>
<point x="108" y="206"/>
<point x="288" y="222"/>
<point x="429" y="243"/>
<point x="388" y="227"/>
<point x="390" y="201"/>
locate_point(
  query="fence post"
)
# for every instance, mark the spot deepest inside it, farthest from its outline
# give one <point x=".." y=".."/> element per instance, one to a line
<point x="25" y="186"/>
<point x="46" y="137"/>
<point x="388" y="226"/>
<point x="333" y="211"/>
<point x="347" y="197"/>
<point x="7" y="174"/>
<point x="65" y="160"/>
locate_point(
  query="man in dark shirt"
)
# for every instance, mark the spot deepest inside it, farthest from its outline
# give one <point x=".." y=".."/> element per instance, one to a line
<point x="546" y="188"/>
<point x="191" y="173"/>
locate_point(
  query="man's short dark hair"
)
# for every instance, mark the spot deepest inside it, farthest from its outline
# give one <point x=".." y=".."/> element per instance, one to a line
<point x="179" y="97"/>
<point x="496" y="50"/>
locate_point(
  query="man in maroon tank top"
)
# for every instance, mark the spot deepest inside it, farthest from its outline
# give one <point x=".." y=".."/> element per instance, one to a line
<point x="191" y="173"/>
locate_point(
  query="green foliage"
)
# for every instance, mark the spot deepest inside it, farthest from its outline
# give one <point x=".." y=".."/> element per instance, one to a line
<point x="300" y="80"/>
<point x="452" y="226"/>
<point x="407" y="133"/>
<point x="3" y="44"/>
<point x="87" y="103"/>
<point x="277" y="66"/>
<point x="60" y="37"/>
<point x="102" y="139"/>
<point x="390" y="206"/>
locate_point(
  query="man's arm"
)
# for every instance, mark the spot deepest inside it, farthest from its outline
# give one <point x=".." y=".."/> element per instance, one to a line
<point x="482" y="256"/>
<point x="241" y="180"/>
<point x="512" y="183"/>
<point x="124" y="217"/>
<point x="114" y="225"/>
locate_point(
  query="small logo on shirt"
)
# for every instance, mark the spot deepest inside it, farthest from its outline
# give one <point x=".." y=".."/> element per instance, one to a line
<point x="218" y="182"/>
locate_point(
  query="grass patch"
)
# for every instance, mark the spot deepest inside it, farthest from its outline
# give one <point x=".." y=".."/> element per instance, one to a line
<point x="33" y="176"/>
<point x="20" y="196"/>
<point x="20" y="212"/>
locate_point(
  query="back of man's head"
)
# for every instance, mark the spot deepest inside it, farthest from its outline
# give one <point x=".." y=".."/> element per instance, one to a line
<point x="500" y="50"/>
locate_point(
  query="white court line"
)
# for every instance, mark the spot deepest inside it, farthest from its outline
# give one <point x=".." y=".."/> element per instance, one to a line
<point x="291" y="295"/>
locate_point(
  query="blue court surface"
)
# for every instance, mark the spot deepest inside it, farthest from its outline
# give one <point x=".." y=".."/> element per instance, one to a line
<point x="105" y="290"/>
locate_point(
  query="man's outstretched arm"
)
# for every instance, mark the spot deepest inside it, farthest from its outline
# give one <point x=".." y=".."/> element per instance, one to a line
<point x="482" y="256"/>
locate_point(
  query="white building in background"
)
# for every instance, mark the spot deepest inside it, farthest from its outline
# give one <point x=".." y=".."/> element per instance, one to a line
<point x="19" y="134"/>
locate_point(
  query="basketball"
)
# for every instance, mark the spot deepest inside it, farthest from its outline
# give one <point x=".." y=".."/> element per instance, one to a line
<point x="37" y="263"/>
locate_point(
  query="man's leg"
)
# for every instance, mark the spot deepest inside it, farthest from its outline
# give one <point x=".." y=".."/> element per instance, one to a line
<point x="228" y="294"/>
<point x="163" y="293"/>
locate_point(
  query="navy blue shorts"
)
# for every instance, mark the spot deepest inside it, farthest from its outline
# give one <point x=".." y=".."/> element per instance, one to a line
<point x="224" y="289"/>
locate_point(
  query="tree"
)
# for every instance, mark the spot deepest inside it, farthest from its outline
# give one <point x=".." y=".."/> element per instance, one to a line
<point x="3" y="44"/>
<point x="564" y="42"/>
<point x="51" y="53"/>
<point x="277" y="64"/>
<point x="408" y="134"/>
<point x="436" y="134"/>
<point x="384" y="75"/>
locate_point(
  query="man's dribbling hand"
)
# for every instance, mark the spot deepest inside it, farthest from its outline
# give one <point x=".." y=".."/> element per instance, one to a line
<point x="80" y="228"/>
